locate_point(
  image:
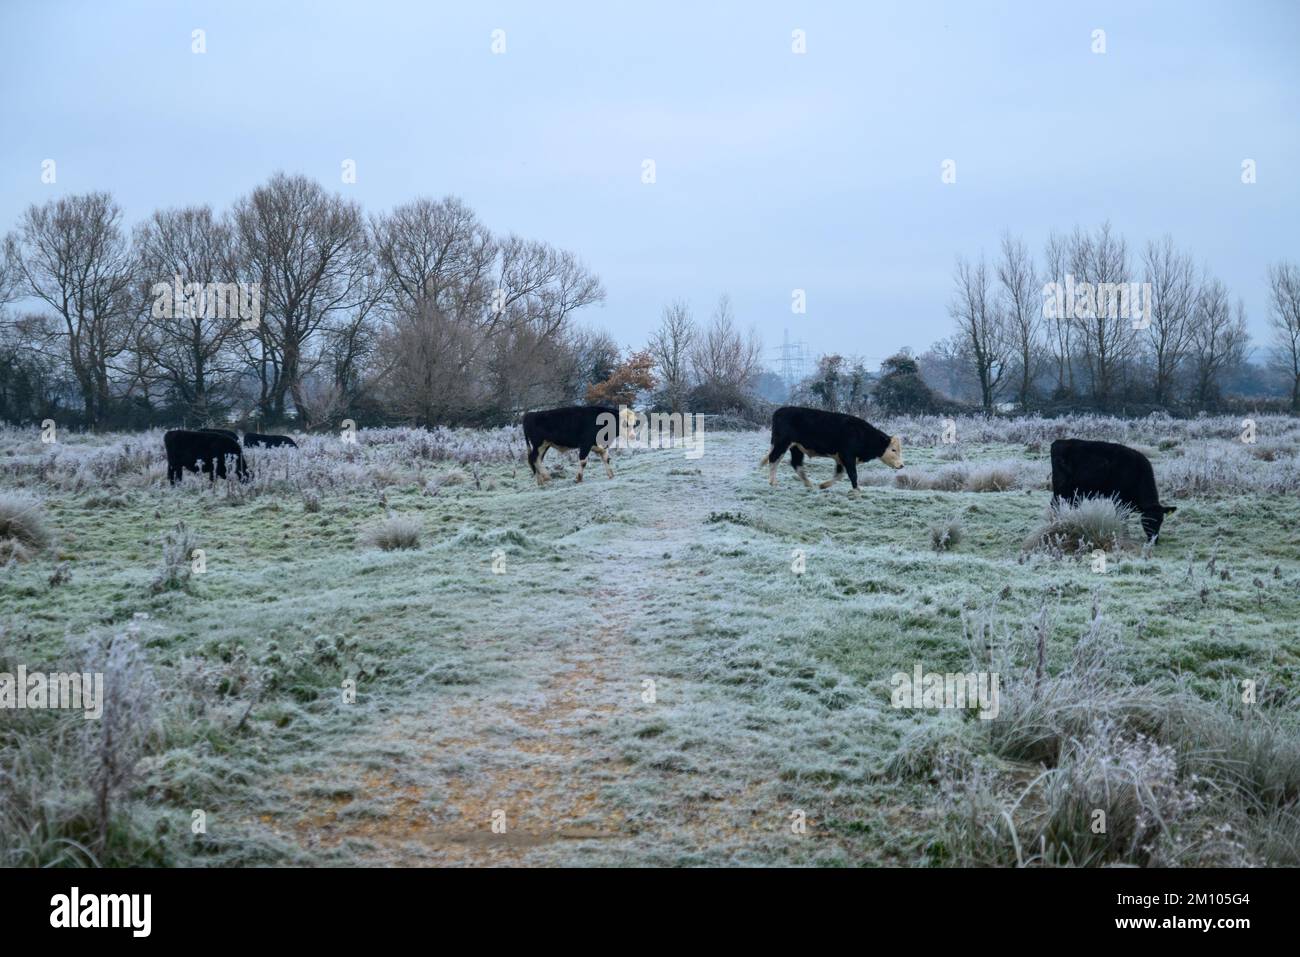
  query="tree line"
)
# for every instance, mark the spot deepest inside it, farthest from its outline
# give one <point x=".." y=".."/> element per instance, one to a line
<point x="1092" y="323"/>
<point x="293" y="305"/>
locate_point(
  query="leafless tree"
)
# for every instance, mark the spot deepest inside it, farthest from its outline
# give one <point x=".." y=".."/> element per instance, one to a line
<point x="724" y="358"/>
<point x="188" y="344"/>
<point x="72" y="255"/>
<point x="1022" y="311"/>
<point x="1218" y="341"/>
<point x="671" y="346"/>
<point x="311" y="254"/>
<point x="1284" y="319"/>
<point x="435" y="254"/>
<point x="1174" y="291"/>
<point x="505" y="304"/>
<point x="980" y="329"/>
<point x="1060" y="328"/>
<point x="1105" y="337"/>
<point x="423" y="377"/>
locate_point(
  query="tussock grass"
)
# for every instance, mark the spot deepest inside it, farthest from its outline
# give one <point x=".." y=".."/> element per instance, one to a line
<point x="394" y="532"/>
<point x="1085" y="768"/>
<point x="22" y="522"/>
<point x="946" y="535"/>
<point x="177" y="556"/>
<point x="1082" y="526"/>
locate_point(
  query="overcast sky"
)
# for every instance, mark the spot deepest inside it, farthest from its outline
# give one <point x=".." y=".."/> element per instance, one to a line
<point x="774" y="171"/>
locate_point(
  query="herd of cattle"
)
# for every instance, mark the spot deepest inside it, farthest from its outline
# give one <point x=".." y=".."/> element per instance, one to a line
<point x="1080" y="468"/>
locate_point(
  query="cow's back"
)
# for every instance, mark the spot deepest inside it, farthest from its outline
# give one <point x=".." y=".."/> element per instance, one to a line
<point x="1082" y="467"/>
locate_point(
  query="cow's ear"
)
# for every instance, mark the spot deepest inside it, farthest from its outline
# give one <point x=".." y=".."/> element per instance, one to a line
<point x="1170" y="509"/>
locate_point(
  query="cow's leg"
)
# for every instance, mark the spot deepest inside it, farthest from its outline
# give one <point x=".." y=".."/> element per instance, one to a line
<point x="796" y="463"/>
<point x="532" y="463"/>
<point x="851" y="468"/>
<point x="773" y="457"/>
<point x="543" y="476"/>
<point x="839" y="474"/>
<point x="582" y="461"/>
<point x="173" y="473"/>
<point x="604" y="457"/>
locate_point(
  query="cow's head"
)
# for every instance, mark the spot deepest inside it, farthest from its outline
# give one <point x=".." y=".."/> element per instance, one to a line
<point x="1153" y="518"/>
<point x="893" y="454"/>
<point x="627" y="423"/>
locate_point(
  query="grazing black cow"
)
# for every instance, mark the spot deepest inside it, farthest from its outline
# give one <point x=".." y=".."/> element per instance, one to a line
<point x="187" y="449"/>
<point x="252" y="439"/>
<point x="845" y="438"/>
<point x="581" y="427"/>
<point x="226" y="432"/>
<point x="1081" y="468"/>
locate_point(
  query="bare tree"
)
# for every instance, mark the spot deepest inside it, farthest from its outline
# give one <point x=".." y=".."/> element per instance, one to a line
<point x="671" y="346"/>
<point x="980" y="329"/>
<point x="188" y="344"/>
<point x="310" y="252"/>
<point x="1174" y="292"/>
<point x="1284" y="319"/>
<point x="1022" y="310"/>
<point x="506" y="304"/>
<point x="1218" y="341"/>
<point x="1059" y="325"/>
<point x="723" y="358"/>
<point x="1105" y="337"/>
<point x="435" y="254"/>
<point x="72" y="255"/>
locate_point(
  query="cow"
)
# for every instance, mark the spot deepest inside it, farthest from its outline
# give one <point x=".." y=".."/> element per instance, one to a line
<point x="1082" y="468"/>
<point x="581" y="427"/>
<point x="254" y="439"/>
<point x="845" y="438"/>
<point x="186" y="449"/>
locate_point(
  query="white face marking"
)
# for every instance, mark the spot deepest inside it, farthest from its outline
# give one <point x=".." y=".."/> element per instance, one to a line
<point x="893" y="456"/>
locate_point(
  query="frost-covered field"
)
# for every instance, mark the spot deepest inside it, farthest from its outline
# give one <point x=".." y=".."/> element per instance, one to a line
<point x="681" y="665"/>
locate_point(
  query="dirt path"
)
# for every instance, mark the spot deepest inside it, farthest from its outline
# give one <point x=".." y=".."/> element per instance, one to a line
<point x="524" y="778"/>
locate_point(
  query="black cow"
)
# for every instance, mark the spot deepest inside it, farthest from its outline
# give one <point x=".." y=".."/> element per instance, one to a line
<point x="845" y="438"/>
<point x="252" y="439"/>
<point x="581" y="427"/>
<point x="1081" y="468"/>
<point x="226" y="432"/>
<point x="186" y="449"/>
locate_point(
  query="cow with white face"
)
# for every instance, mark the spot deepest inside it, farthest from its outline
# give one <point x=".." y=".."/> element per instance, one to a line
<point x="581" y="427"/>
<point x="845" y="438"/>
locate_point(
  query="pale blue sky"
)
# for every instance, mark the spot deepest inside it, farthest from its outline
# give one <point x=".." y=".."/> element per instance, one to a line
<point x="775" y="171"/>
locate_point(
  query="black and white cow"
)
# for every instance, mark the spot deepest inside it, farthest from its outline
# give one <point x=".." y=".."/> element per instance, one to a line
<point x="1082" y="468"/>
<point x="845" y="438"/>
<point x="255" y="439"/>
<point x="206" y="451"/>
<point x="581" y="427"/>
